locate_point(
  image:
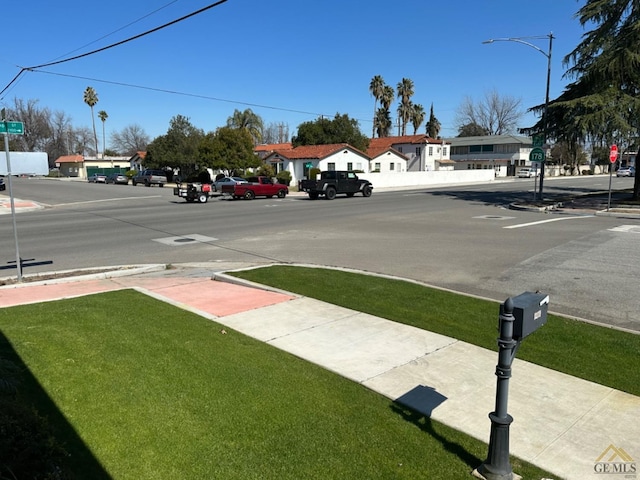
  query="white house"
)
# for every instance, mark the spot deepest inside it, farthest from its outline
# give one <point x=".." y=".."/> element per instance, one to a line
<point x="423" y="153"/>
<point x="503" y="153"/>
<point x="300" y="160"/>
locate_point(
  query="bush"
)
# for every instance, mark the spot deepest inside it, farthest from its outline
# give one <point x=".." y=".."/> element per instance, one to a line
<point x="266" y="170"/>
<point x="313" y="173"/>
<point x="284" y="177"/>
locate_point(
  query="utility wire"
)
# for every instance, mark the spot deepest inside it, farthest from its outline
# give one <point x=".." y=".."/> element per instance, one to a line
<point x="93" y="52"/>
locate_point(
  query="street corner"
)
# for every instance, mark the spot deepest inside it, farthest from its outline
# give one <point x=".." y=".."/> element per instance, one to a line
<point x="18" y="204"/>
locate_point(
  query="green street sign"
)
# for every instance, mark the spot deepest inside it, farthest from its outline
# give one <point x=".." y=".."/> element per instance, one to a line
<point x="16" y="128"/>
<point x="538" y="140"/>
<point x="308" y="165"/>
<point x="536" y="155"/>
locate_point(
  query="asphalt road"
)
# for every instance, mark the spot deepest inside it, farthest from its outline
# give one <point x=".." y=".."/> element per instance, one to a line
<point x="459" y="237"/>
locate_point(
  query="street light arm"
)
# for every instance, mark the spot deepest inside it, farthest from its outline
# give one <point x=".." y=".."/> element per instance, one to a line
<point x="518" y="40"/>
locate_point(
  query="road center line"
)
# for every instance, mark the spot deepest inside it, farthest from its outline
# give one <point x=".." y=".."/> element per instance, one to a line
<point x="557" y="219"/>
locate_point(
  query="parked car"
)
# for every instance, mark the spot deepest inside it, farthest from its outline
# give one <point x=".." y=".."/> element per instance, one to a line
<point x="217" y="185"/>
<point x="528" y="173"/>
<point x="150" y="177"/>
<point x="98" y="178"/>
<point x="117" y="178"/>
<point x="626" y="172"/>
<point x="2" y="185"/>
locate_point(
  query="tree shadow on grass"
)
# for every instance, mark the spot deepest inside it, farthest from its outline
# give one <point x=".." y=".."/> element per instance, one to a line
<point x="416" y="406"/>
<point x="81" y="462"/>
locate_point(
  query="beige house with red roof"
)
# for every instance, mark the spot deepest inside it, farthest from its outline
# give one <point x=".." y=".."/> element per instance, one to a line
<point x="71" y="165"/>
<point x="423" y="153"/>
<point x="300" y="160"/>
<point x="265" y="149"/>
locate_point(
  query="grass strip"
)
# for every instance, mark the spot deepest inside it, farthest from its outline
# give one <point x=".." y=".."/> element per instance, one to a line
<point x="598" y="354"/>
<point x="155" y="392"/>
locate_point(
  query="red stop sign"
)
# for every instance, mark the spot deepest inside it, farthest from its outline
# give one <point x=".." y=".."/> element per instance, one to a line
<point x="613" y="153"/>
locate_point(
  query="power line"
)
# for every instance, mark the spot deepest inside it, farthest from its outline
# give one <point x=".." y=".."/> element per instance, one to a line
<point x="175" y="92"/>
<point x="93" y="52"/>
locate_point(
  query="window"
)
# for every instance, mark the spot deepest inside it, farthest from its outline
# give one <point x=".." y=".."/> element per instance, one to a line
<point x="431" y="151"/>
<point x="331" y="166"/>
<point x="349" y="166"/>
<point x="418" y="151"/>
<point x="444" y="151"/>
<point x="377" y="169"/>
<point x="391" y="165"/>
<point x="480" y="148"/>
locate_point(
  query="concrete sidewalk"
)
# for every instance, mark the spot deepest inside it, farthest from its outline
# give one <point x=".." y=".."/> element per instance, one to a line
<point x="568" y="426"/>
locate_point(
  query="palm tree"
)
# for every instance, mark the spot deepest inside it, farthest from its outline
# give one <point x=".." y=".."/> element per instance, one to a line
<point x="388" y="94"/>
<point x="248" y="121"/>
<point x="91" y="98"/>
<point x="102" y="115"/>
<point x="405" y="92"/>
<point x="376" y="87"/>
<point x="383" y="122"/>
<point x="417" y="116"/>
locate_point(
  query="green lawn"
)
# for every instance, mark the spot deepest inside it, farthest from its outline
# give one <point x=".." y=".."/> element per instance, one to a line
<point x="602" y="355"/>
<point x="143" y="390"/>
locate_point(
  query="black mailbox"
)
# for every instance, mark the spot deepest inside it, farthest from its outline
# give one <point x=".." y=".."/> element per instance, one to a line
<point x="529" y="312"/>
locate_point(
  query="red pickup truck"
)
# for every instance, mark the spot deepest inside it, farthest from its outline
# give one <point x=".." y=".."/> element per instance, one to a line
<point x="256" y="187"/>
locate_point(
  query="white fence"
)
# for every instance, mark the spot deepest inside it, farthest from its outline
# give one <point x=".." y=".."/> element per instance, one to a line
<point x="418" y="179"/>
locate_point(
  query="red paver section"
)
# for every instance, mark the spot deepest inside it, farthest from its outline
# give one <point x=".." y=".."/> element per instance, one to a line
<point x="213" y="297"/>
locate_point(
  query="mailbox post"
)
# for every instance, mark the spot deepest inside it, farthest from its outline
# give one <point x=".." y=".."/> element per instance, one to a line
<point x="519" y="317"/>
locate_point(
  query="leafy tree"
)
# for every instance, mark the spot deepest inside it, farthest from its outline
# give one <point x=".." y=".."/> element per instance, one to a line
<point x="130" y="139"/>
<point x="472" y="130"/>
<point x="90" y="97"/>
<point x="249" y="121"/>
<point x="497" y="114"/>
<point x="102" y="115"/>
<point x="604" y="101"/>
<point x="405" y="92"/>
<point x="177" y="148"/>
<point x="228" y="149"/>
<point x="417" y="116"/>
<point x="376" y="87"/>
<point x="37" y="135"/>
<point x="568" y="153"/>
<point x="433" y="125"/>
<point x="323" y="131"/>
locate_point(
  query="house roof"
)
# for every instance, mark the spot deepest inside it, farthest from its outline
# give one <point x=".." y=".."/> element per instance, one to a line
<point x="377" y="151"/>
<point x="490" y="140"/>
<point x="70" y="159"/>
<point x="317" y="152"/>
<point x="386" y="142"/>
<point x="270" y="147"/>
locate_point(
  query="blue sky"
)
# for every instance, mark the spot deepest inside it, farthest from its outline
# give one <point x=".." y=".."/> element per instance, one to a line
<point x="288" y="60"/>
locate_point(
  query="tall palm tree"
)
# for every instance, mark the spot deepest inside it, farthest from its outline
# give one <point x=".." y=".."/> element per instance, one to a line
<point x="417" y="116"/>
<point x="405" y="92"/>
<point x="249" y="121"/>
<point x="102" y="115"/>
<point x="388" y="94"/>
<point x="383" y="122"/>
<point x="91" y="98"/>
<point x="376" y="87"/>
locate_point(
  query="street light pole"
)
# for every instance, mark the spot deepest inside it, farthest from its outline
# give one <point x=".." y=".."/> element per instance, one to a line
<point x="545" y="121"/>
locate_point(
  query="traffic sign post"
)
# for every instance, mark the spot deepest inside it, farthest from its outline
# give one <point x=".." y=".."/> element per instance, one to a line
<point x="536" y="155"/>
<point x="15" y="128"/>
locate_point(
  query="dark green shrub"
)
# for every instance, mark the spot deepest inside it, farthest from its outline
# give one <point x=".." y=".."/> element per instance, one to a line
<point x="266" y="170"/>
<point x="313" y="173"/>
<point x="284" y="177"/>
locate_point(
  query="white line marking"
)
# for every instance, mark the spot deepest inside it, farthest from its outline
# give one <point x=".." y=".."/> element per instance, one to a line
<point x="521" y="225"/>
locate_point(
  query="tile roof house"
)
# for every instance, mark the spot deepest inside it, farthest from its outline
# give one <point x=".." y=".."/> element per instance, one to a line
<point x="265" y="149"/>
<point x="300" y="160"/>
<point x="71" y="165"/>
<point x="386" y="159"/>
<point x="423" y="152"/>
